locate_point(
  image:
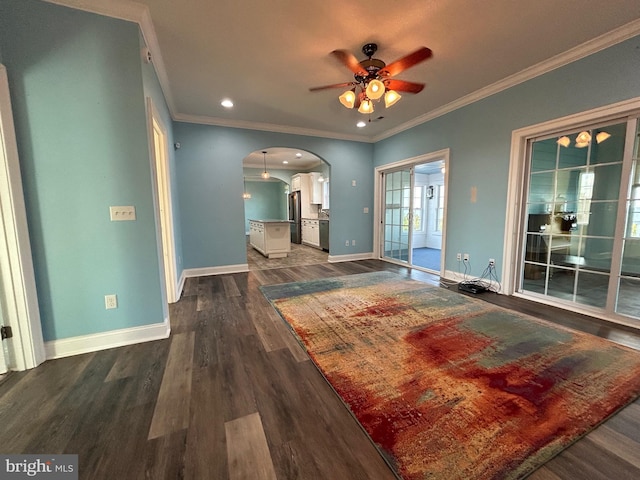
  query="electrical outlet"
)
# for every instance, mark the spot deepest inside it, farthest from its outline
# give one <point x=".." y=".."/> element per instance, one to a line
<point x="459" y="256"/>
<point x="466" y="257"/>
<point x="346" y="243"/>
<point x="353" y="243"/>
<point x="492" y="262"/>
<point x="110" y="301"/>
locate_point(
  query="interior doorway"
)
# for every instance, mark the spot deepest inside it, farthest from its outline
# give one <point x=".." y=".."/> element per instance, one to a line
<point x="412" y="212"/>
<point x="18" y="296"/>
<point x="159" y="149"/>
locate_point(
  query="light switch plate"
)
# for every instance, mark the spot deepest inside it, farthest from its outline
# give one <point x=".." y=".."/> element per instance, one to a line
<point x="119" y="214"/>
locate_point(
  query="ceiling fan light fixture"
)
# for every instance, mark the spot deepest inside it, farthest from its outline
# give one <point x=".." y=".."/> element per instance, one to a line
<point x="348" y="98"/>
<point x="602" y="136"/>
<point x="391" y="98"/>
<point x="366" y="106"/>
<point x="564" y="141"/>
<point x="583" y="138"/>
<point x="375" y="89"/>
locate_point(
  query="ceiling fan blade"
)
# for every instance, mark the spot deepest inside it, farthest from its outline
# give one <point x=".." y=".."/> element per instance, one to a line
<point x="337" y="85"/>
<point x="394" y="68"/>
<point x="359" y="99"/>
<point x="404" y="86"/>
<point x="348" y="59"/>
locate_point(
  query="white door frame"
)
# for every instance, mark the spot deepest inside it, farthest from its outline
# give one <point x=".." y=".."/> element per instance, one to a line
<point x="379" y="190"/>
<point x="519" y="138"/>
<point x="19" y="299"/>
<point x="162" y="199"/>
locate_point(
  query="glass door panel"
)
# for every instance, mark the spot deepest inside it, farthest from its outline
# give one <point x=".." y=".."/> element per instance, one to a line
<point x="397" y="215"/>
<point x="572" y="209"/>
<point x="628" y="295"/>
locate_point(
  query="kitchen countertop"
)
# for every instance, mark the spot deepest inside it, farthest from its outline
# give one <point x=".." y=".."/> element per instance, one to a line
<point x="269" y="220"/>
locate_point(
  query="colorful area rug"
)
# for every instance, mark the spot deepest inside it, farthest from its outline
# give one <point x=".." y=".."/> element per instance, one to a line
<point x="450" y="387"/>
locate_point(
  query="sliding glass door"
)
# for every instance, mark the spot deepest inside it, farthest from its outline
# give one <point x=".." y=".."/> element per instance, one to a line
<point x="397" y="215"/>
<point x="581" y="242"/>
<point x="413" y="211"/>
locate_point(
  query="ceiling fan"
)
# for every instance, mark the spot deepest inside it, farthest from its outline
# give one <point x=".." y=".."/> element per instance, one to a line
<point x="372" y="78"/>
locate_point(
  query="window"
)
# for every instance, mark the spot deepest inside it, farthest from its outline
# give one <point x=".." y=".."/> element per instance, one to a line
<point x="418" y="209"/>
<point x="440" y="208"/>
<point x="585" y="192"/>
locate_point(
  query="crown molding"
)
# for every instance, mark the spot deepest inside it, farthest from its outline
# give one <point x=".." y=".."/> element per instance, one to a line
<point x="139" y="13"/>
<point x="583" y="50"/>
<point x="268" y="127"/>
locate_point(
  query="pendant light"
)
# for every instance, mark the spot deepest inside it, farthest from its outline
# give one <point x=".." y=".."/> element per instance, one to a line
<point x="265" y="174"/>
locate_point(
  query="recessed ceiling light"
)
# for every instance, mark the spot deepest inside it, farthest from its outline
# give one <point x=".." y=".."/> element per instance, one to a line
<point x="226" y="103"/>
<point x="298" y="155"/>
<point x="361" y="124"/>
<point x="285" y="162"/>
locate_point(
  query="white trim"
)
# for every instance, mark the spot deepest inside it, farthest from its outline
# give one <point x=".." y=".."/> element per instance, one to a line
<point x="94" y="342"/>
<point x="163" y="208"/>
<point x="222" y="270"/>
<point x="590" y="47"/>
<point x="351" y="257"/>
<point x="20" y="299"/>
<point x="268" y="127"/>
<point x="444" y="155"/>
<point x="516" y="172"/>
<point x="513" y="222"/>
<point x="578" y="308"/>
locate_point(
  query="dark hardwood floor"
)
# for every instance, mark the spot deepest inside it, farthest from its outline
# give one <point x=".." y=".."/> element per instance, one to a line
<point x="231" y="395"/>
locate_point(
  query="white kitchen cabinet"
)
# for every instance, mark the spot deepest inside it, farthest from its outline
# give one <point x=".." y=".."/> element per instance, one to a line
<point x="272" y="238"/>
<point x="315" y="186"/>
<point x="296" y="182"/>
<point x="307" y="208"/>
<point x="311" y="232"/>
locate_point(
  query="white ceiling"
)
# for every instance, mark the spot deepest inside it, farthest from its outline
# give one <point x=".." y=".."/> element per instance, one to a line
<point x="265" y="55"/>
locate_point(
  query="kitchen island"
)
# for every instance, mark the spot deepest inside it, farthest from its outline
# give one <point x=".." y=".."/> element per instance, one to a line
<point x="270" y="237"/>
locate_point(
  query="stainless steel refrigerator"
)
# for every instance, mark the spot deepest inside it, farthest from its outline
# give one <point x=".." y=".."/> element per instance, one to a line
<point x="295" y="211"/>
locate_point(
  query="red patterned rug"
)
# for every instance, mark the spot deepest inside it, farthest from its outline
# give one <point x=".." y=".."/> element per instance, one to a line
<point x="450" y="387"/>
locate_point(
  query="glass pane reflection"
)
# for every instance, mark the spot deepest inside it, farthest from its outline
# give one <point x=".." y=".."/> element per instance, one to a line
<point x="629" y="297"/>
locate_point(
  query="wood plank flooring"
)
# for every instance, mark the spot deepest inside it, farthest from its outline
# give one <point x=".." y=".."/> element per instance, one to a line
<point x="232" y="396"/>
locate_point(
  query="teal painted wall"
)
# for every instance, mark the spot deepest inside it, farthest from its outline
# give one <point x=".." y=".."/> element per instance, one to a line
<point x="209" y="175"/>
<point x="479" y="136"/>
<point x="268" y="202"/>
<point x="77" y="92"/>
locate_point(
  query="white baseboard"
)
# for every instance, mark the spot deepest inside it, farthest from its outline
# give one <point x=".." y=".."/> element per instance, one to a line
<point x="94" y="342"/>
<point x="455" y="276"/>
<point x="350" y="258"/>
<point x="224" y="269"/>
